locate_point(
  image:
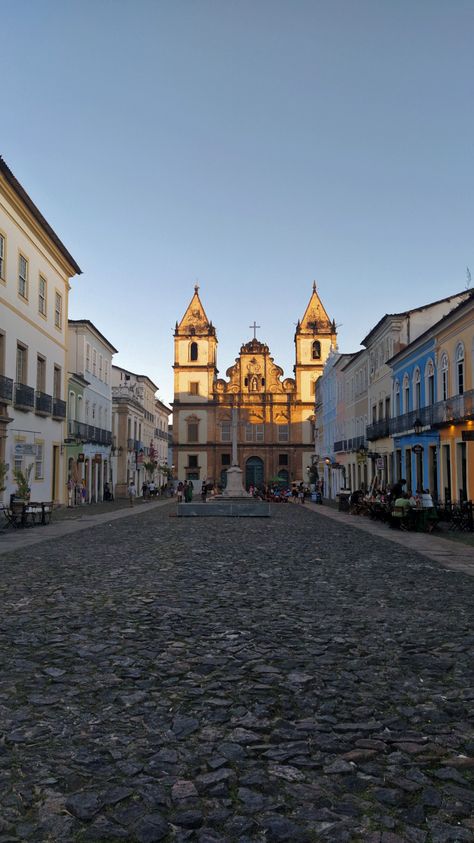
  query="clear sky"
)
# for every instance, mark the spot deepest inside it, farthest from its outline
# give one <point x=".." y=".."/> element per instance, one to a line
<point x="255" y="145"/>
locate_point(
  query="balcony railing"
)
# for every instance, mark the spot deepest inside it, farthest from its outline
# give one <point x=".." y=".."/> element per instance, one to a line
<point x="43" y="404"/>
<point x="59" y="409"/>
<point x="160" y="434"/>
<point x="24" y="397"/>
<point x="379" y="429"/>
<point x="88" y="433"/>
<point x="443" y="413"/>
<point x="6" y="389"/>
<point x="349" y="444"/>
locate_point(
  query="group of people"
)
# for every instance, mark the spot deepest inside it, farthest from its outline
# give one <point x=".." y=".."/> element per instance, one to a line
<point x="184" y="491"/>
<point x="397" y="502"/>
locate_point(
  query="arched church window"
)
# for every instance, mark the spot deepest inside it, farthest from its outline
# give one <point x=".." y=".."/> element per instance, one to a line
<point x="316" y="350"/>
<point x="193" y="351"/>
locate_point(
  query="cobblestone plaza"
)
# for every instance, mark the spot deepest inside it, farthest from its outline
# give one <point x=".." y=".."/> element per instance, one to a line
<point x="285" y="679"/>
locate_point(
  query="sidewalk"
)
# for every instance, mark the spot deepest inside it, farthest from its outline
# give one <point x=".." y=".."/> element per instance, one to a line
<point x="453" y="555"/>
<point x="67" y="521"/>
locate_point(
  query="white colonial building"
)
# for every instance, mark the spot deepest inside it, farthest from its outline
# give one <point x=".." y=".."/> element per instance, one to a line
<point x="89" y="434"/>
<point x="35" y="268"/>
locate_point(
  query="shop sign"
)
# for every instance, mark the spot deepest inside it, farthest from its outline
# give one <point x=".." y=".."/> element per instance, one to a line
<point x="417" y="449"/>
<point x="25" y="449"/>
<point x="379" y="464"/>
<point x="467" y="435"/>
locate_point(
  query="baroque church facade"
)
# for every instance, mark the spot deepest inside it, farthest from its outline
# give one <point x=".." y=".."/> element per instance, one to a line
<point x="275" y="415"/>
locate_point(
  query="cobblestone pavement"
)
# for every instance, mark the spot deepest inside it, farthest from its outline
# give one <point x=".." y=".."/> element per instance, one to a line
<point x="289" y="679"/>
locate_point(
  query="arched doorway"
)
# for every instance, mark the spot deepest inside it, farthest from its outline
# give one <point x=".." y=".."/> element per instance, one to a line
<point x="253" y="472"/>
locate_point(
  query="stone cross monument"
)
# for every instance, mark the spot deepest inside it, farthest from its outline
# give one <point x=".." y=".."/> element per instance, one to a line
<point x="234" y="487"/>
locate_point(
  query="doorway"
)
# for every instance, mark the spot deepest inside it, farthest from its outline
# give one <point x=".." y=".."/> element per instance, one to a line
<point x="253" y="472"/>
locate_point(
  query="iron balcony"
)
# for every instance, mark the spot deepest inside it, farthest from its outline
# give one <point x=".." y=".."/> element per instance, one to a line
<point x="43" y="404"/>
<point x="59" y="409"/>
<point x="24" y="397"/>
<point x="441" y="414"/>
<point x="6" y="389"/>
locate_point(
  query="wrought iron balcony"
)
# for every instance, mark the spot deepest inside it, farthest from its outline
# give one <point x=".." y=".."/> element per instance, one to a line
<point x="443" y="413"/>
<point x="379" y="429"/>
<point x="6" y="389"/>
<point x="59" y="409"/>
<point x="24" y="397"/>
<point x="349" y="444"/>
<point x="43" y="404"/>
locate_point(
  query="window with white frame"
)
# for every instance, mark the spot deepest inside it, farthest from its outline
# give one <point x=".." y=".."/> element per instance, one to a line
<point x="94" y="361"/>
<point x="2" y="257"/>
<point x="406" y="394"/>
<point x="21" y="363"/>
<point x="430" y="384"/>
<point x="226" y="431"/>
<point x="42" y="296"/>
<point x="416" y="389"/>
<point x="397" y="398"/>
<point x="101" y="363"/>
<point x="88" y="357"/>
<point x="106" y="371"/>
<point x="460" y="369"/>
<point x="18" y="459"/>
<point x="58" y="310"/>
<point x="283" y="432"/>
<point x="254" y="432"/>
<point x="39" y="461"/>
<point x="23" y="276"/>
<point x="444" y="376"/>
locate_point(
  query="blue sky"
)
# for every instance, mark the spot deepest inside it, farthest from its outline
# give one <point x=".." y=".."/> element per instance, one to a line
<point x="254" y="145"/>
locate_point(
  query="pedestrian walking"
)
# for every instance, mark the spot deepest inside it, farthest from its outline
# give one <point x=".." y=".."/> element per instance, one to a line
<point x="180" y="491"/>
<point x="203" y="491"/>
<point x="131" y="491"/>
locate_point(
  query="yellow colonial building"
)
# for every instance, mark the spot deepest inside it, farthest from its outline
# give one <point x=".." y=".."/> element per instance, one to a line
<point x="275" y="415"/>
<point x="455" y="356"/>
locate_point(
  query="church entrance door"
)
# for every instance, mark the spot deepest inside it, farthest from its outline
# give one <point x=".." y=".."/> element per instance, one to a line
<point x="253" y="472"/>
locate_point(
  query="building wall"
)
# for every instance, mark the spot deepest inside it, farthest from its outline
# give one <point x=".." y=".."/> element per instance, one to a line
<point x="22" y="321"/>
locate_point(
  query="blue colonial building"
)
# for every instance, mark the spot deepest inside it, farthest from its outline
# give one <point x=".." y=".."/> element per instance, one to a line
<point x="414" y="380"/>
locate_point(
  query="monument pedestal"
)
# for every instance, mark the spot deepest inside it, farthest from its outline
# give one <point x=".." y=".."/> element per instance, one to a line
<point x="234" y="486"/>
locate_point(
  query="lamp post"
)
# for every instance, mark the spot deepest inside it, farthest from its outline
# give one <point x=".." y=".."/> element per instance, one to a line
<point x="417" y="427"/>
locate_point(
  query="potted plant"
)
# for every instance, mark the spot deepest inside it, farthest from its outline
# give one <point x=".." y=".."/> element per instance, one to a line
<point x="22" y="479"/>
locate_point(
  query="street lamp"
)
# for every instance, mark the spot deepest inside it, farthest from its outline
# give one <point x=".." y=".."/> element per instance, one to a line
<point x="417" y="426"/>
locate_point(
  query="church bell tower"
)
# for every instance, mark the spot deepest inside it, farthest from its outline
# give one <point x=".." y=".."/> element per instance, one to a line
<point x="315" y="336"/>
<point x="195" y="373"/>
